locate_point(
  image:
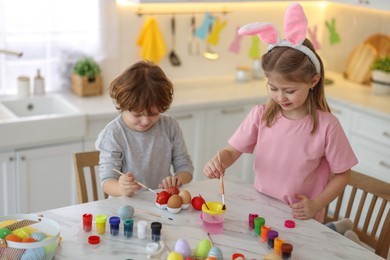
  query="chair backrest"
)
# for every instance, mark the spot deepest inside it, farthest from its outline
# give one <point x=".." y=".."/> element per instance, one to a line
<point x="365" y="201"/>
<point x="83" y="161"/>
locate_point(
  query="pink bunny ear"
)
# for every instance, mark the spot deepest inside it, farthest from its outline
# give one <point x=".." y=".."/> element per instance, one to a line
<point x="267" y="32"/>
<point x="295" y="24"/>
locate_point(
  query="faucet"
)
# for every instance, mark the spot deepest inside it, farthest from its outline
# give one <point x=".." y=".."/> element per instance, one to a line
<point x="11" y="52"/>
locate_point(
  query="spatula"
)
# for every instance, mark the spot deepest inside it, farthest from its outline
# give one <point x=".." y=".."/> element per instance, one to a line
<point x="174" y="59"/>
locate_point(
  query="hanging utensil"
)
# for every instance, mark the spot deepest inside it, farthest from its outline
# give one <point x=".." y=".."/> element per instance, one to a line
<point x="174" y="59"/>
<point x="209" y="53"/>
<point x="193" y="44"/>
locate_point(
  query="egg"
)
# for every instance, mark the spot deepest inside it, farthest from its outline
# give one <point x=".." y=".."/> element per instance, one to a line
<point x="203" y="248"/>
<point x="174" y="256"/>
<point x="36" y="253"/>
<point x="175" y="201"/>
<point x="126" y="212"/>
<point x="186" y="196"/>
<point x="215" y="252"/>
<point x="183" y="248"/>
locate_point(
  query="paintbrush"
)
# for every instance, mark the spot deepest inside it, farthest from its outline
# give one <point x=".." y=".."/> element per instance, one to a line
<point x="153" y="214"/>
<point x="139" y="183"/>
<point x="205" y="203"/>
<point x="222" y="184"/>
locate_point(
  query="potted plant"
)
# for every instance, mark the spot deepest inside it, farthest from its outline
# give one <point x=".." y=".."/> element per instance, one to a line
<point x="86" y="78"/>
<point x="380" y="76"/>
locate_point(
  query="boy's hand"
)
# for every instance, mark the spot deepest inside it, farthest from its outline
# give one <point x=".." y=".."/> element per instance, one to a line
<point x="305" y="208"/>
<point x="169" y="182"/>
<point x="127" y="184"/>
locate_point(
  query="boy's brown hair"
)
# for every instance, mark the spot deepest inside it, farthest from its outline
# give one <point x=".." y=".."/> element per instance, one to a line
<point x="143" y="86"/>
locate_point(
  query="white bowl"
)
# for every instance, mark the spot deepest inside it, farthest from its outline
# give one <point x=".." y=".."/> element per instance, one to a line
<point x="161" y="206"/>
<point x="185" y="206"/>
<point x="173" y="210"/>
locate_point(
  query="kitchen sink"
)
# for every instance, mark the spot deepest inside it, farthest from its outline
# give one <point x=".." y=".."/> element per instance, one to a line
<point x="41" y="105"/>
<point x="39" y="120"/>
<point x="5" y="113"/>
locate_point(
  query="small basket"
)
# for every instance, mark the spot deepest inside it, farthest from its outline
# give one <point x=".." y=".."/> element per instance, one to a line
<point x="44" y="249"/>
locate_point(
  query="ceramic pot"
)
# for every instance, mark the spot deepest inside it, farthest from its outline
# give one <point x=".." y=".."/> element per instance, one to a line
<point x="380" y="82"/>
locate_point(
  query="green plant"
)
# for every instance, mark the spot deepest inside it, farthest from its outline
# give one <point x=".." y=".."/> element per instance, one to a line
<point x="87" y="67"/>
<point x="382" y="64"/>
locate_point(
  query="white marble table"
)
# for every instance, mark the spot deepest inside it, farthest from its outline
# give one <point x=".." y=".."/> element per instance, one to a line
<point x="311" y="240"/>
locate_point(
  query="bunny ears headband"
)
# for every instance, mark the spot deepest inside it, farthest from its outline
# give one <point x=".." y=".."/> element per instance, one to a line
<point x="295" y="26"/>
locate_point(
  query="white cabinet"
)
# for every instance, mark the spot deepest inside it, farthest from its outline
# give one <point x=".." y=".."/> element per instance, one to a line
<point x="192" y="125"/>
<point x="221" y="124"/>
<point x="370" y="138"/>
<point x="343" y="113"/>
<point x="8" y="184"/>
<point x="37" y="179"/>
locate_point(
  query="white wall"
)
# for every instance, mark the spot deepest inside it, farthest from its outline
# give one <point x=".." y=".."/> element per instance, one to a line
<point x="354" y="24"/>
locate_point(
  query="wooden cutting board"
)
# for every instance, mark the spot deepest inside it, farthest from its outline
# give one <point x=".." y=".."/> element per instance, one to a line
<point x="359" y="62"/>
<point x="381" y="43"/>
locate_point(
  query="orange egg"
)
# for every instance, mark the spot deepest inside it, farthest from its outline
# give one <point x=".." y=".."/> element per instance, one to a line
<point x="28" y="240"/>
<point x="186" y="196"/>
<point x="13" y="238"/>
<point x="175" y="201"/>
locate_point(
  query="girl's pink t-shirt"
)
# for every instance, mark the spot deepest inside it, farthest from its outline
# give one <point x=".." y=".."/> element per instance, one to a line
<point x="288" y="159"/>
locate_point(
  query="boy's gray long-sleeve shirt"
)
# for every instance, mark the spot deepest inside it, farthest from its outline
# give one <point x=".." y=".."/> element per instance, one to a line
<point x="148" y="155"/>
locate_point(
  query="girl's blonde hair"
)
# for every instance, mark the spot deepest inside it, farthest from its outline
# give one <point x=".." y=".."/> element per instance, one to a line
<point x="295" y="66"/>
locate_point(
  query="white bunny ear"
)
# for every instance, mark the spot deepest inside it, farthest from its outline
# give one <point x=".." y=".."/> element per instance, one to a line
<point x="267" y="32"/>
<point x="295" y="24"/>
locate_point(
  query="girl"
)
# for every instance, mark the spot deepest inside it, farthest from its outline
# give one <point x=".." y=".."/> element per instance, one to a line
<point x="302" y="155"/>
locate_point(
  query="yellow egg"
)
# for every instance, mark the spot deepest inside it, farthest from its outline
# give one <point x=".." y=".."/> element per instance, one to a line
<point x="186" y="196"/>
<point x="175" y="201"/>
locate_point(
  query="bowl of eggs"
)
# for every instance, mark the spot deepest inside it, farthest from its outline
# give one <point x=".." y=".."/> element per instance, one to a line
<point x="28" y="236"/>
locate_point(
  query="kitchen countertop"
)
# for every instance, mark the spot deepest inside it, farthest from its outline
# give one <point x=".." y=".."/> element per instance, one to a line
<point x="214" y="92"/>
<point x="309" y="237"/>
<point x="202" y="94"/>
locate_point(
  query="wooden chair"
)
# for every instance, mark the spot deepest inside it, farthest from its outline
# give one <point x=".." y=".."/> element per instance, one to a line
<point x="370" y="223"/>
<point x="83" y="161"/>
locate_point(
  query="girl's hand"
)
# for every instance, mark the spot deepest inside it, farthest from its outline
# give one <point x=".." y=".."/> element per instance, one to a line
<point x="213" y="168"/>
<point x="169" y="182"/>
<point x="305" y="208"/>
<point x="127" y="184"/>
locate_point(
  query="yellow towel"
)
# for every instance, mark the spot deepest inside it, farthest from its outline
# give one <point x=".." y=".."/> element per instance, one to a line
<point x="151" y="41"/>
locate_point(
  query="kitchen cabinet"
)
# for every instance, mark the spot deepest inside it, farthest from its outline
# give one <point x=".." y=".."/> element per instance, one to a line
<point x="370" y="138"/>
<point x="38" y="178"/>
<point x="221" y="124"/>
<point x="192" y="124"/>
<point x="342" y="112"/>
<point x="8" y="184"/>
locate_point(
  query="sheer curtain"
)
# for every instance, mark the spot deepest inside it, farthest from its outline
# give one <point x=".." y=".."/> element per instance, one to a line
<point x="52" y="35"/>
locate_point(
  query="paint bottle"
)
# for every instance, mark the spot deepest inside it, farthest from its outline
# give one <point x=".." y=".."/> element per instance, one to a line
<point x="87" y="222"/>
<point x="286" y="251"/>
<point x="264" y="233"/>
<point x="156" y="231"/>
<point x="251" y="222"/>
<point x="141" y="229"/>
<point x="128" y="227"/>
<point x="278" y="246"/>
<point x="259" y="222"/>
<point x="101" y="223"/>
<point x="272" y="234"/>
<point x="114" y="225"/>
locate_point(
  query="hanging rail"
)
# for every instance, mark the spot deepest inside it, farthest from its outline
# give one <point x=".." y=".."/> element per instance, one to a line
<point x="141" y="12"/>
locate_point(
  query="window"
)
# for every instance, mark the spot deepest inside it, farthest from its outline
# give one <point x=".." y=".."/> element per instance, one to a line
<point x="52" y="35"/>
